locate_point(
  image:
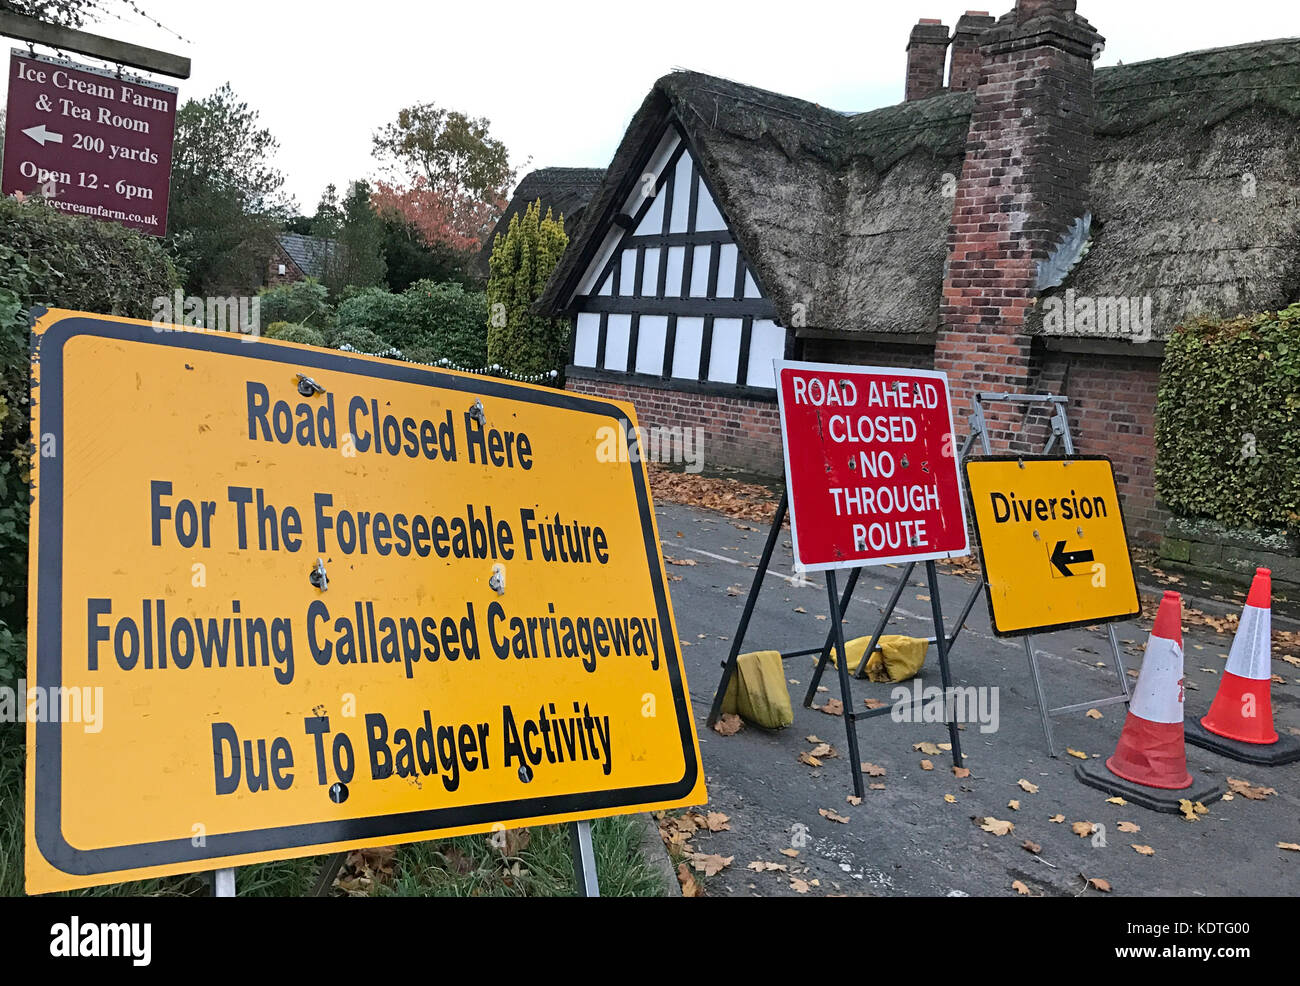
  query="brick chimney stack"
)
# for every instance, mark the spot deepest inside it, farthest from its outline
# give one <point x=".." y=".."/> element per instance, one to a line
<point x="964" y="72"/>
<point x="927" y="52"/>
<point x="1023" y="183"/>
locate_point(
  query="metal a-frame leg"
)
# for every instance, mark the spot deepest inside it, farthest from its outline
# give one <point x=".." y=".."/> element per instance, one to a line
<point x="729" y="665"/>
<point x="941" y="643"/>
<point x="825" y="650"/>
<point x="846" y="690"/>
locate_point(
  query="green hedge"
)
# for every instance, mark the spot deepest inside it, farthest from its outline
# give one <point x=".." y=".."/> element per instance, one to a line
<point x="59" y="261"/>
<point x="427" y="322"/>
<point x="1227" y="436"/>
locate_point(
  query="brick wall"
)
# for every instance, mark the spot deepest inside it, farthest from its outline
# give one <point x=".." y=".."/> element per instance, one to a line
<point x="1112" y="412"/>
<point x="291" y="272"/>
<point x="738" y="432"/>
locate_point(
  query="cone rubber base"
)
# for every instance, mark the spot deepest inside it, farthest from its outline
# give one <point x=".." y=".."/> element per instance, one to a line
<point x="1285" y="750"/>
<point x="1096" y="774"/>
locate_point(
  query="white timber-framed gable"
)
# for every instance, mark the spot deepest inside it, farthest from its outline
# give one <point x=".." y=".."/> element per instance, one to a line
<point x="669" y="294"/>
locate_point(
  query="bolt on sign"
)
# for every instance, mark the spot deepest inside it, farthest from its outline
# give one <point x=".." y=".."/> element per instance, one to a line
<point x="870" y="465"/>
<point x="323" y="601"/>
<point x="1054" y="549"/>
<point x="89" y="141"/>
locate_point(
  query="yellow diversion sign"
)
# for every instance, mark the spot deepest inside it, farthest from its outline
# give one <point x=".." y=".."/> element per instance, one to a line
<point x="1052" y="539"/>
<point x="287" y="601"/>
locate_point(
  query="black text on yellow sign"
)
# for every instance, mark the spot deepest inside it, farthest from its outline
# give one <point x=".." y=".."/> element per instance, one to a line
<point x="1052" y="540"/>
<point x="399" y="604"/>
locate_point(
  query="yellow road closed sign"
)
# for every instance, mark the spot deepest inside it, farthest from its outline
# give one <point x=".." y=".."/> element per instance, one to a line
<point x="287" y="601"/>
<point x="1052" y="540"/>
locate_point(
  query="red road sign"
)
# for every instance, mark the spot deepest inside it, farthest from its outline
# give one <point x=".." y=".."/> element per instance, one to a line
<point x="91" y="143"/>
<point x="870" y="465"/>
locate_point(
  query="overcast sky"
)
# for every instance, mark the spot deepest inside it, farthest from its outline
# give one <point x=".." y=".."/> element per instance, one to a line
<point x="559" y="81"/>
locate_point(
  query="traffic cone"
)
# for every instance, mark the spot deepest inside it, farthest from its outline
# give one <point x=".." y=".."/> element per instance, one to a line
<point x="1239" y="724"/>
<point x="1149" y="766"/>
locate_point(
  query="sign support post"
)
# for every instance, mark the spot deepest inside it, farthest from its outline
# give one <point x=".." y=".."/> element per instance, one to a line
<point x="223" y="882"/>
<point x="584" y="859"/>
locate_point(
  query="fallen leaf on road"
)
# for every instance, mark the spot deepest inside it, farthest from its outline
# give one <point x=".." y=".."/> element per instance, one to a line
<point x="690" y="562"/>
<point x="853" y="799"/>
<point x="712" y="863"/>
<point x="1026" y="786"/>
<point x="1076" y="753"/>
<point x="927" y="748"/>
<point x="1013" y="804"/>
<point x="961" y="771"/>
<point x="950" y="799"/>
<point x="833" y="707"/>
<point x="809" y="759"/>
<point x="687" y="879"/>
<point x="873" y="770"/>
<point x="823" y="750"/>
<point x="799" y="886"/>
<point x="1057" y="818"/>
<point x="1082" y="829"/>
<point x="1020" y="888"/>
<point x="1248" y="790"/>
<point x="995" y="826"/>
<point x="1190" y="810"/>
<point x="1143" y="850"/>
<point x="729" y="724"/>
<point x="874" y="703"/>
<point x="792" y="853"/>
<point x="800" y="609"/>
<point x="1116" y="801"/>
<point x="1032" y="847"/>
<point x="927" y="765"/>
<point x="833" y="816"/>
<point x="1100" y="884"/>
<point x="717" y="822"/>
<point x="813" y="738"/>
<point x="876" y="787"/>
<point x="761" y="866"/>
<point x="1129" y="827"/>
<point x="734" y="590"/>
<point x="1293" y="846"/>
<point x="1093" y="713"/>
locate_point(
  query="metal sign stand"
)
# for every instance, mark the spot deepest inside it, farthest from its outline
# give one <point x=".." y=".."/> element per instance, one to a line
<point x="223" y="883"/>
<point x="835" y="638"/>
<point x="584" y="859"/>
<point x="1060" y="431"/>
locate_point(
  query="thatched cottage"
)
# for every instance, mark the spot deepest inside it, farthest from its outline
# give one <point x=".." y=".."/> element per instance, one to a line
<point x="1023" y="221"/>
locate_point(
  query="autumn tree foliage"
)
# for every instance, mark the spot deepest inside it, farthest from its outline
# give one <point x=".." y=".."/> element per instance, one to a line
<point x="455" y="220"/>
<point x="446" y="175"/>
<point x="521" y="264"/>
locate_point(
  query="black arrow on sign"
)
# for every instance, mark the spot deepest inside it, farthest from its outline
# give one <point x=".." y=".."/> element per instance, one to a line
<point x="1063" y="559"/>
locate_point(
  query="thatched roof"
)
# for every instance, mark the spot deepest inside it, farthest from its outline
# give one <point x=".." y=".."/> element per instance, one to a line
<point x="565" y="191"/>
<point x="1194" y="185"/>
<point x="847" y="214"/>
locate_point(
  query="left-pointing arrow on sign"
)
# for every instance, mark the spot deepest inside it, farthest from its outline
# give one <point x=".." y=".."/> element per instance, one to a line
<point x="42" y="136"/>
<point x="1062" y="559"/>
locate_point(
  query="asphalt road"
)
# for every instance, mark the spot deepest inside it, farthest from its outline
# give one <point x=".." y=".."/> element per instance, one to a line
<point x="906" y="839"/>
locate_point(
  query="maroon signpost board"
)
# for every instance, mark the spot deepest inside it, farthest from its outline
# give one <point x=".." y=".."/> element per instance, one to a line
<point x="870" y="465"/>
<point x="91" y="143"/>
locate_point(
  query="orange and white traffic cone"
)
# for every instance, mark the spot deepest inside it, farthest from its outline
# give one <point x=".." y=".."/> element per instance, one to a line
<point x="1149" y="766"/>
<point x="1239" y="724"/>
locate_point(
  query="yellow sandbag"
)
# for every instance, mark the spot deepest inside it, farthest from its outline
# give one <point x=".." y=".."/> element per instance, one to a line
<point x="896" y="657"/>
<point x="758" y="692"/>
